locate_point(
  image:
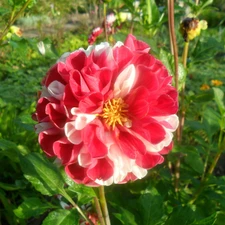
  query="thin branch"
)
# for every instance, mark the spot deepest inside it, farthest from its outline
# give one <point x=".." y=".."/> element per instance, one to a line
<point x="13" y="19"/>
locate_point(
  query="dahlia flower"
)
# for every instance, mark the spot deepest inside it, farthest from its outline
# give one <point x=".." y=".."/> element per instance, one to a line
<point x="107" y="113"/>
<point x="94" y="34"/>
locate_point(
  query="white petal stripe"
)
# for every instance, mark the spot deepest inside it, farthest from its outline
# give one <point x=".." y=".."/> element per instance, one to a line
<point x="125" y="81"/>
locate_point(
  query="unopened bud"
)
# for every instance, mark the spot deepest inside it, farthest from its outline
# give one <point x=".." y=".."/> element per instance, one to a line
<point x="191" y="28"/>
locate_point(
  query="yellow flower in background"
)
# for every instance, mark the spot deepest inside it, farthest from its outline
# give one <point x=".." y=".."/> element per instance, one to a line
<point x="13" y="30"/>
<point x="216" y="82"/>
<point x="191" y="28"/>
<point x="204" y="87"/>
<point x="16" y="30"/>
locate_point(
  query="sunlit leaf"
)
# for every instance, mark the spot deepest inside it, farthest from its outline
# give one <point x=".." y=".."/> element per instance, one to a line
<point x="62" y="217"/>
<point x="43" y="175"/>
<point x="32" y="207"/>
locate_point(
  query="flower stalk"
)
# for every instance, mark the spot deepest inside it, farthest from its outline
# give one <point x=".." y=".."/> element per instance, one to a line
<point x="65" y="195"/>
<point x="174" y="52"/>
<point x="99" y="211"/>
<point x="13" y="18"/>
<point x="104" y="205"/>
<point x="211" y="168"/>
<point x="105" y="21"/>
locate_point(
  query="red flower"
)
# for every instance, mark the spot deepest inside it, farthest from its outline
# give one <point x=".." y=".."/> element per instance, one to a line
<point x="107" y="113"/>
<point x="95" y="33"/>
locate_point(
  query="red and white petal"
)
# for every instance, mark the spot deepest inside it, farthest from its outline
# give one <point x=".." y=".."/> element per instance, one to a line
<point x="125" y="82"/>
<point x="73" y="135"/>
<point x="40" y="127"/>
<point x="149" y="160"/>
<point x="102" y="170"/>
<point x="82" y="119"/>
<point x="169" y="122"/>
<point x="56" y="89"/>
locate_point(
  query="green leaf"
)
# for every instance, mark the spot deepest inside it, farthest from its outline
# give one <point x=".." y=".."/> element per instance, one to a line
<point x="125" y="217"/>
<point x="85" y="194"/>
<point x="9" y="149"/>
<point x="205" y="96"/>
<point x="5" y="144"/>
<point x="166" y="58"/>
<point x="150" y="206"/>
<point x="12" y="187"/>
<point x="193" y="159"/>
<point x="43" y="175"/>
<point x="219" y="95"/>
<point x="181" y="215"/>
<point x="206" y="50"/>
<point x="62" y="217"/>
<point x="168" y="61"/>
<point x="182" y="73"/>
<point x="208" y="220"/>
<point x="31" y="207"/>
<point x="211" y="121"/>
<point x="152" y="11"/>
<point x="4" y="11"/>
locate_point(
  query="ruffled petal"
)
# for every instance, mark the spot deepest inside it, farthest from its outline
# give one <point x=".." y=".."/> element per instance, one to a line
<point x="136" y="45"/>
<point x="103" y="170"/>
<point x="73" y="135"/>
<point x="56" y="89"/>
<point x="130" y="144"/>
<point x="125" y="81"/>
<point x="149" y="160"/>
<point x="66" y="151"/>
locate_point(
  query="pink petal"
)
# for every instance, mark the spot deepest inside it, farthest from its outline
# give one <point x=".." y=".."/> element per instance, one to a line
<point x="122" y="55"/>
<point x="63" y="71"/>
<point x="150" y="130"/>
<point x="56" y="114"/>
<point x="94" y="143"/>
<point x="103" y="170"/>
<point x="136" y="45"/>
<point x="79" y="174"/>
<point x="73" y="135"/>
<point x="76" y="60"/>
<point x="56" y="89"/>
<point x="53" y="75"/>
<point x="166" y="149"/>
<point x="92" y="103"/>
<point x="78" y="85"/>
<point x="138" y="102"/>
<point x="40" y="110"/>
<point x="66" y="151"/>
<point x="149" y="160"/>
<point x="130" y="145"/>
<point x="46" y="142"/>
<point x="147" y="78"/>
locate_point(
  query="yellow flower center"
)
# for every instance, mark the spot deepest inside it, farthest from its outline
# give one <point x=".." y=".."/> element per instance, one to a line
<point x="115" y="112"/>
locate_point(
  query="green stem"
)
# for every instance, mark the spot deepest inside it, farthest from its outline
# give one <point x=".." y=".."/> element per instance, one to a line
<point x="185" y="54"/>
<point x="105" y="22"/>
<point x="149" y="11"/>
<point x="65" y="195"/>
<point x="174" y="52"/>
<point x="99" y="211"/>
<point x="183" y="111"/>
<point x="13" y="19"/>
<point x="211" y="169"/>
<point x="104" y="205"/>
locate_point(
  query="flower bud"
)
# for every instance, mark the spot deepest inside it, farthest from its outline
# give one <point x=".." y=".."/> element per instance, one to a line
<point x="16" y="30"/>
<point x="191" y="28"/>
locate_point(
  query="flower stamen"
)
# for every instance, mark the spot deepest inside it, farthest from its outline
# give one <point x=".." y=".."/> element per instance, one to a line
<point x="115" y="112"/>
